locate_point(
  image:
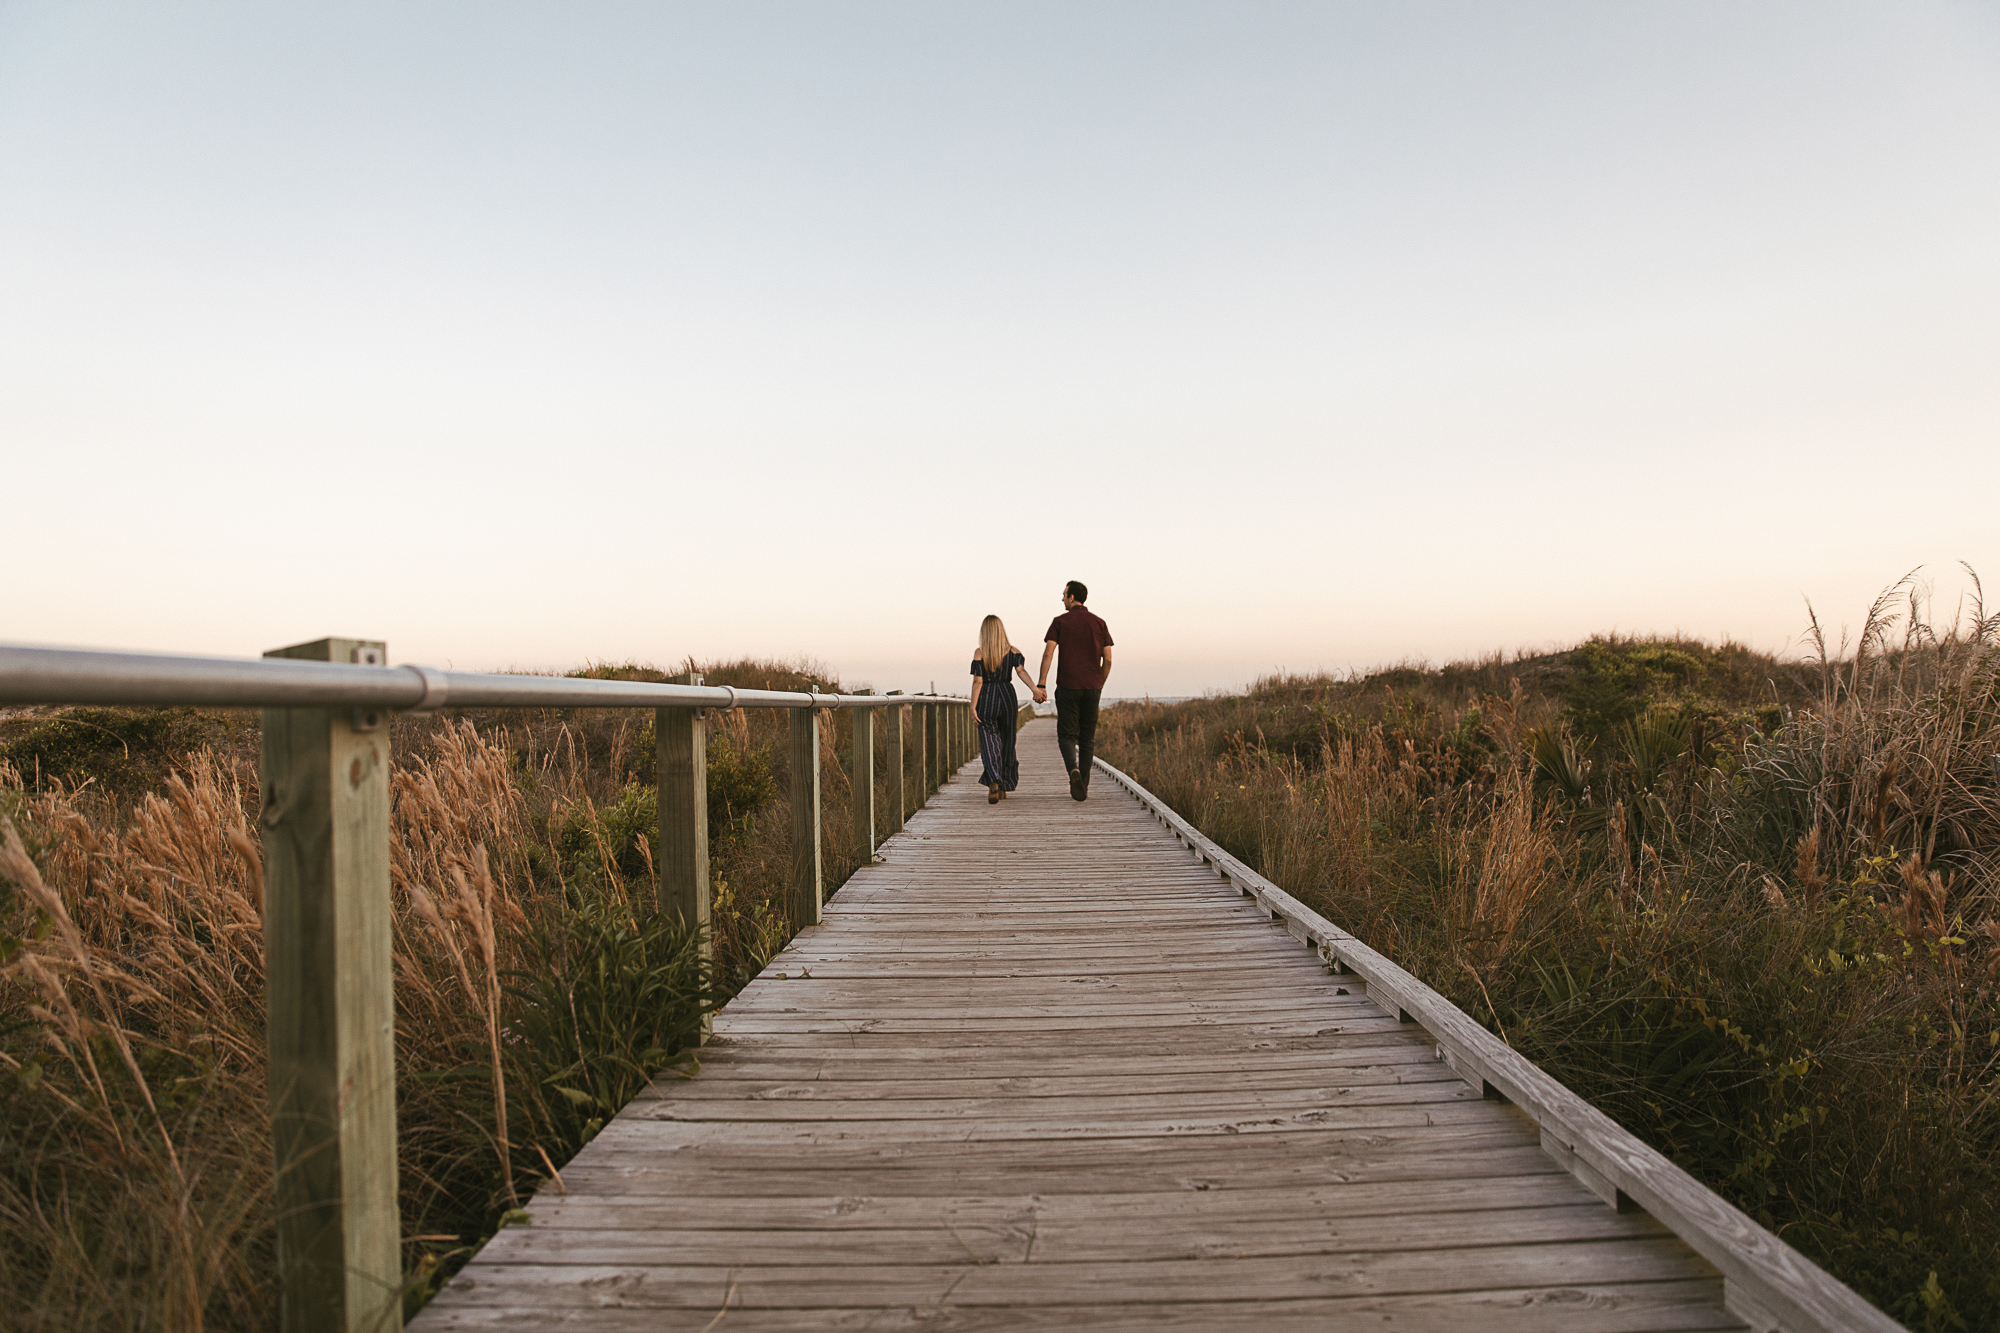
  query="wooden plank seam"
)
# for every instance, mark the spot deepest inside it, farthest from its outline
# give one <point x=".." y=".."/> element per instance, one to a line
<point x="1766" y="1282"/>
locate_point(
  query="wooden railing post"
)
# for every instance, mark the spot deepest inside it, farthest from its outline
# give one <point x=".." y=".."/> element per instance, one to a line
<point x="680" y="776"/>
<point x="933" y="739"/>
<point x="681" y="770"/>
<point x="330" y="992"/>
<point x="805" y="886"/>
<point x="892" y="755"/>
<point x="861" y="774"/>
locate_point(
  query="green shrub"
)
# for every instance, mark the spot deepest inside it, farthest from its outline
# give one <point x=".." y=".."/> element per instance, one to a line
<point x="121" y="750"/>
<point x="622" y="835"/>
<point x="608" y="1002"/>
<point x="739" y="787"/>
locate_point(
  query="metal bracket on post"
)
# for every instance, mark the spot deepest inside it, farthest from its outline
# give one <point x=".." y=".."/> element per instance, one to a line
<point x="368" y="654"/>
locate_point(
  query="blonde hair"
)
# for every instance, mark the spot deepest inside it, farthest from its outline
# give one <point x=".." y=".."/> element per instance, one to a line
<point x="992" y="642"/>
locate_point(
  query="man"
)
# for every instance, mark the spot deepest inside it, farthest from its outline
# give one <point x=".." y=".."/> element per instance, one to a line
<point x="1085" y="642"/>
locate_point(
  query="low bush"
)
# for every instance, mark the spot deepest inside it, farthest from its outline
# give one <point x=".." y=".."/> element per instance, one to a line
<point x="120" y="750"/>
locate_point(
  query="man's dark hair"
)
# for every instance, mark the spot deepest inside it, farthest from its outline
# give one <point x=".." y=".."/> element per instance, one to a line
<point x="1077" y="590"/>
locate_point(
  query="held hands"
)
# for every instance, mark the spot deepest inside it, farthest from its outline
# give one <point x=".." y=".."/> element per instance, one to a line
<point x="1041" y="695"/>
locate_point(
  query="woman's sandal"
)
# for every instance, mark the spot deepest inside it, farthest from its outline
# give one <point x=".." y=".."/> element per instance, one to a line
<point x="992" y="796"/>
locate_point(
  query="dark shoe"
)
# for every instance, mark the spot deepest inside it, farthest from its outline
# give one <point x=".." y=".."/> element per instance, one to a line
<point x="1078" y="785"/>
<point x="993" y="795"/>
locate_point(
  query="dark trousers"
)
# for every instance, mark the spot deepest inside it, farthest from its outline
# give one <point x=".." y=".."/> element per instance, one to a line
<point x="998" y="762"/>
<point x="1076" y="727"/>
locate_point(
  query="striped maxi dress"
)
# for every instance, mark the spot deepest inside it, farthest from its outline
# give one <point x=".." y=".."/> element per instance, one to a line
<point x="998" y="713"/>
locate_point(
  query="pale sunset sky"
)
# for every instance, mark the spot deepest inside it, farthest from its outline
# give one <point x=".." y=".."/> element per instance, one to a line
<point x="1309" y="335"/>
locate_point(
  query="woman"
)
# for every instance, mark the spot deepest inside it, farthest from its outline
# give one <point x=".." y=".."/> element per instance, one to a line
<point x="993" y="703"/>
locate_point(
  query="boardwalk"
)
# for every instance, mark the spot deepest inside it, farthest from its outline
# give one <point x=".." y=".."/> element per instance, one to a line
<point x="1041" y="1070"/>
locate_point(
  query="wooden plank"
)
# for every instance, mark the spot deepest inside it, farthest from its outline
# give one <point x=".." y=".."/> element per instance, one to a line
<point x="1028" y="1069"/>
<point x="1157" y="1083"/>
<point x="1348" y="1200"/>
<point x="1098" y="1165"/>
<point x="1109" y="1041"/>
<point x="1129" y="1111"/>
<point x="658" y="1239"/>
<point x="972" y="1281"/>
<point x="1649" y="1307"/>
<point x="331" y="996"/>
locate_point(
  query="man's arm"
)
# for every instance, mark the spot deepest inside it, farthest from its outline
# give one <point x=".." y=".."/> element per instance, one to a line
<point x="1107" y="661"/>
<point x="1048" y="656"/>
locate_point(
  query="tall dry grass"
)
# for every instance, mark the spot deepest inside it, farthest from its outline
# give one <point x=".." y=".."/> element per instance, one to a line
<point x="1767" y="943"/>
<point x="537" y="990"/>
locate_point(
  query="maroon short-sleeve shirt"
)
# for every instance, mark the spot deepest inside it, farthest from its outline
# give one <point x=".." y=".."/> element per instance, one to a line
<point x="1080" y="639"/>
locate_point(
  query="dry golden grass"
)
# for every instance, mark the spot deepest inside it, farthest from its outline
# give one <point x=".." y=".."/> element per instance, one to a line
<point x="136" y="1187"/>
<point x="1769" y="943"/>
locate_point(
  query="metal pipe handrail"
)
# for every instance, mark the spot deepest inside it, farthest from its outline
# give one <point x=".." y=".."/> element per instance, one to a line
<point x="79" y="676"/>
<point x="328" y="900"/>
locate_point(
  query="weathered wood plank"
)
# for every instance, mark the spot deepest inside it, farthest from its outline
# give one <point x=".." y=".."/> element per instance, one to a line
<point x="1664" y="1307"/>
<point x="1349" y="1200"/>
<point x="717" y="1240"/>
<point x="976" y="1281"/>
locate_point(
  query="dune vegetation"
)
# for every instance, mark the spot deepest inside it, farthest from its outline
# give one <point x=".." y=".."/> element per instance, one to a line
<point x="1749" y="907"/>
<point x="536" y="989"/>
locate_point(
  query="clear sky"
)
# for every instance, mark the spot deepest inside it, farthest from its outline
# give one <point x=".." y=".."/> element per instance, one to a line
<point x="1309" y="335"/>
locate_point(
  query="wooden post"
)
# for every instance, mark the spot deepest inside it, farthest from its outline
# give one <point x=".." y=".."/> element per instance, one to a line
<point x="681" y="770"/>
<point x="330" y="992"/>
<point x="680" y="775"/>
<point x="805" y="887"/>
<point x="892" y="754"/>
<point x="933" y="738"/>
<point x="861" y="776"/>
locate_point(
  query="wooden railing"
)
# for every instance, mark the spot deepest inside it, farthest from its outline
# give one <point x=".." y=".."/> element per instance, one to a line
<point x="1766" y="1283"/>
<point x="325" y="824"/>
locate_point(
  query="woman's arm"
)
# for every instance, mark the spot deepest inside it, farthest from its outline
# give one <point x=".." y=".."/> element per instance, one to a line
<point x="977" y="682"/>
<point x="1021" y="668"/>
